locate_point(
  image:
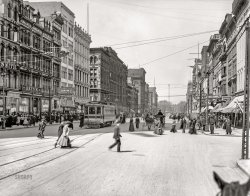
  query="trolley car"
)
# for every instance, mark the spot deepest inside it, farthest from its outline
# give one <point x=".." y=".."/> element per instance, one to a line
<point x="99" y="115"/>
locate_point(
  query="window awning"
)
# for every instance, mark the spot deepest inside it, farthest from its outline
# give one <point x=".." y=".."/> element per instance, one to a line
<point x="232" y="106"/>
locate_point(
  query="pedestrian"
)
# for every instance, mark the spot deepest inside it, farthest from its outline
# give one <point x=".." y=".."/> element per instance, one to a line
<point x="131" y="124"/>
<point x="137" y="122"/>
<point x="117" y="137"/>
<point x="41" y="129"/>
<point x="228" y="126"/>
<point x="18" y="120"/>
<point x="184" y="124"/>
<point x="60" y="131"/>
<point x="173" y="129"/>
<point x="64" y="140"/>
<point x="81" y="121"/>
<point x="211" y="123"/>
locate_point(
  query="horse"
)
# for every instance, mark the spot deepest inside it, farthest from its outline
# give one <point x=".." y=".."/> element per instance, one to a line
<point x="231" y="189"/>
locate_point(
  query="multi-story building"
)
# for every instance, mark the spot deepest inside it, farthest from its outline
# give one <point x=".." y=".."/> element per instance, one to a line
<point x="138" y="78"/>
<point x="108" y="78"/>
<point x="153" y="100"/>
<point x="214" y="67"/>
<point x="67" y="45"/>
<point x="230" y="34"/>
<point x="35" y="78"/>
<point x="132" y="98"/>
<point x="82" y="68"/>
<point x="241" y="11"/>
<point x="9" y="56"/>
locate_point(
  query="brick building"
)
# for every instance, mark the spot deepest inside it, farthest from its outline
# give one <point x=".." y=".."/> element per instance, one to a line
<point x="108" y="78"/>
<point x="138" y="78"/>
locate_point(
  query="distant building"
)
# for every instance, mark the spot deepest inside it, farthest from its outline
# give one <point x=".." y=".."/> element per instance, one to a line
<point x="132" y="98"/>
<point x="153" y="100"/>
<point x="108" y="78"/>
<point x="82" y="66"/>
<point x="138" y="78"/>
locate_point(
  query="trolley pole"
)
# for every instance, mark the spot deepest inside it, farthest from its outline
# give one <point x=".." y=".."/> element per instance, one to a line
<point x="245" y="131"/>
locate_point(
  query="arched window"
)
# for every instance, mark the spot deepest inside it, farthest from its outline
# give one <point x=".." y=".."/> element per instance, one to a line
<point x="15" y="52"/>
<point x="9" y="32"/>
<point x="91" y="60"/>
<point x="2" y="29"/>
<point x="9" y="10"/>
<point x="15" y="14"/>
<point x="95" y="59"/>
<point x="2" y="52"/>
<point x="8" y="53"/>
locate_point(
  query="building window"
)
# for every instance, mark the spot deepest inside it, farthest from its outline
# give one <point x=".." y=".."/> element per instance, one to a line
<point x="64" y="72"/>
<point x="9" y="32"/>
<point x="70" y="74"/>
<point x="9" y="10"/>
<point x="15" y="14"/>
<point x="2" y="52"/>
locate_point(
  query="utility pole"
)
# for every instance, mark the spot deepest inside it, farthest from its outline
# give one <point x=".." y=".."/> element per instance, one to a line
<point x="245" y="132"/>
<point x="206" y="127"/>
<point x="169" y="93"/>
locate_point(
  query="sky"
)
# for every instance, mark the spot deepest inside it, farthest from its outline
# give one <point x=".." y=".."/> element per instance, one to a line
<point x="113" y="22"/>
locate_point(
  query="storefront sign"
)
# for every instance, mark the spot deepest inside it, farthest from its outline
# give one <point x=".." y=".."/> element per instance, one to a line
<point x="67" y="91"/>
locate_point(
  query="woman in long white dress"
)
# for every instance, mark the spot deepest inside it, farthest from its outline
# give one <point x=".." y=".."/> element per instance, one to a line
<point x="64" y="140"/>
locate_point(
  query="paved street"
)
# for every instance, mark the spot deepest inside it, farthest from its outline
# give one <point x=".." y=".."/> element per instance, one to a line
<point x="171" y="164"/>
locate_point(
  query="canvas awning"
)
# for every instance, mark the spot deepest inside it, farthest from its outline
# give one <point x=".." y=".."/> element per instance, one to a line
<point x="205" y="108"/>
<point x="232" y="106"/>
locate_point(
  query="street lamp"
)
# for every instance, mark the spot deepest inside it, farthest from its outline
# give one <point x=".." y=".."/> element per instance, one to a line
<point x="3" y="125"/>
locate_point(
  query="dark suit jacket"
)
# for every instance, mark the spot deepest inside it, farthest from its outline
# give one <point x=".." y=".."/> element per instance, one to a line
<point x="117" y="134"/>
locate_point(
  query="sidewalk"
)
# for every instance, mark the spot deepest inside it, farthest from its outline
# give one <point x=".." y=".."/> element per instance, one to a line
<point x="15" y="127"/>
<point x="244" y="165"/>
<point x="222" y="132"/>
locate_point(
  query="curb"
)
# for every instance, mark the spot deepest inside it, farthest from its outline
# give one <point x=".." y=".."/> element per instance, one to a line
<point x="242" y="168"/>
<point x="20" y="128"/>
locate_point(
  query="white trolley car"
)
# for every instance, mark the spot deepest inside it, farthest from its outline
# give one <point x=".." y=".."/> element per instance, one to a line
<point x="99" y="115"/>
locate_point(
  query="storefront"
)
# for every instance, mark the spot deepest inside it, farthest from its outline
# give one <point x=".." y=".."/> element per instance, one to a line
<point x="45" y="105"/>
<point x="24" y="105"/>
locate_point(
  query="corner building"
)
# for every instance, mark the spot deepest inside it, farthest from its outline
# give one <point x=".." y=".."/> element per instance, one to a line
<point x="108" y="78"/>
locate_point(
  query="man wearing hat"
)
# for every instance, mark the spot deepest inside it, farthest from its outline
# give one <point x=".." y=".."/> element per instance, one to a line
<point x="117" y="136"/>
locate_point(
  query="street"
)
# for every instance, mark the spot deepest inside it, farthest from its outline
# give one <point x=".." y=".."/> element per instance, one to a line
<point x="171" y="164"/>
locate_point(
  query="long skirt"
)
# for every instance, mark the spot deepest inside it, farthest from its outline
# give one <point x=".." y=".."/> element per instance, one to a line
<point x="228" y="129"/>
<point x="131" y="127"/>
<point x="137" y="125"/>
<point x="212" y="128"/>
<point x="64" y="141"/>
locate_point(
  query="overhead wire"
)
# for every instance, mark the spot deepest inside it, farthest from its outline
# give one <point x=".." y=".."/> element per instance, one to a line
<point x="157" y="59"/>
<point x="163" y="38"/>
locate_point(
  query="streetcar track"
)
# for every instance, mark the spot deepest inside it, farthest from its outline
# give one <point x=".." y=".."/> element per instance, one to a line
<point x="51" y="142"/>
<point x="44" y="162"/>
<point x="35" y="154"/>
<point x="27" y="144"/>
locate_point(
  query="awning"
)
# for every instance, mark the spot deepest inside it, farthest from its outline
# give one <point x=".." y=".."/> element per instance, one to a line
<point x="217" y="108"/>
<point x="232" y="106"/>
<point x="205" y="108"/>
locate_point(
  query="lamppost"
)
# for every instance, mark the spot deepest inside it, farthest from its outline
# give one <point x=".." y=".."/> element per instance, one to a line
<point x="3" y="125"/>
<point x="206" y="127"/>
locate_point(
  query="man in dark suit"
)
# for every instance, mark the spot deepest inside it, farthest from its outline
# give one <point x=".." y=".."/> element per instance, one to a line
<point x="117" y="136"/>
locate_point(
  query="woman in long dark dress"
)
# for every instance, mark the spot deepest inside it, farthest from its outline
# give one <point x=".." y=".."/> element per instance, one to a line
<point x="228" y="126"/>
<point x="137" y="122"/>
<point x="131" y="125"/>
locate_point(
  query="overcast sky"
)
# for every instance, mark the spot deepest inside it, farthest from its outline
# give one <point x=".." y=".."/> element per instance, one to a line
<point x="118" y="21"/>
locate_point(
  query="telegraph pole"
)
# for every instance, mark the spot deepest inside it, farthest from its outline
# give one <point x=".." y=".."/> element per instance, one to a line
<point x="245" y="132"/>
